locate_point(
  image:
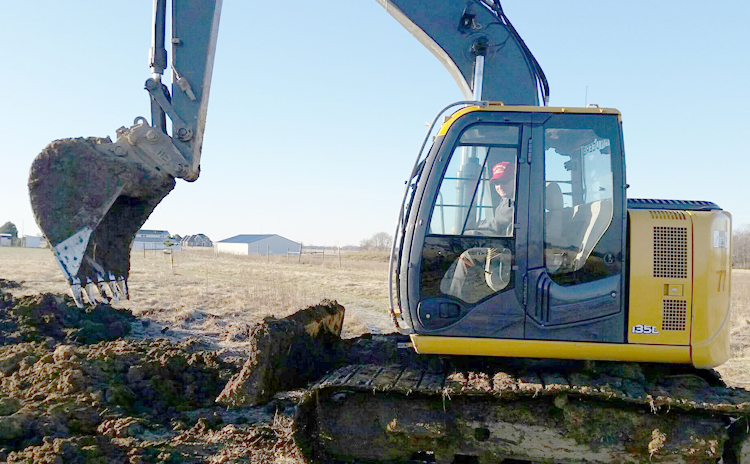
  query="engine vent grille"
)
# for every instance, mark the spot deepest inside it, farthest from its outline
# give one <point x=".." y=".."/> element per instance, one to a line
<point x="675" y="215"/>
<point x="674" y="315"/>
<point x="670" y="252"/>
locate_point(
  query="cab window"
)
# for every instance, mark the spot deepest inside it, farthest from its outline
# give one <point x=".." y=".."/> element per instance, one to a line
<point x="578" y="197"/>
<point x="472" y="222"/>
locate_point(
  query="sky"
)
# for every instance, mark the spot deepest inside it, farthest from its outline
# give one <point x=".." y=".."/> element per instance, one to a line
<point x="318" y="108"/>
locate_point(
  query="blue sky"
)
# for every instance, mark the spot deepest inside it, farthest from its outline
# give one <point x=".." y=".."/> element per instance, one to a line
<point x="318" y="108"/>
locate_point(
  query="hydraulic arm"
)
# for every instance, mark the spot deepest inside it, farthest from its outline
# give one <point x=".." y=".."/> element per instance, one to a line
<point x="478" y="46"/>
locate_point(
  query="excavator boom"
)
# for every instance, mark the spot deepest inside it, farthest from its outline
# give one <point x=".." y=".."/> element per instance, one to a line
<point x="478" y="46"/>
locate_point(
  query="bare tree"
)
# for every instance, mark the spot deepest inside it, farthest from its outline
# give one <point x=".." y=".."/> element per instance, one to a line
<point x="380" y="242"/>
<point x="9" y="228"/>
<point x="741" y="247"/>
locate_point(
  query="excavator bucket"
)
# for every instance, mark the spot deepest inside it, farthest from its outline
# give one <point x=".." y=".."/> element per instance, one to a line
<point x="90" y="197"/>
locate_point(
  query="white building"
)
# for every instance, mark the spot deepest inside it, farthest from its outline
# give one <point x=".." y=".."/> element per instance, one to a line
<point x="6" y="239"/>
<point x="257" y="245"/>
<point x="30" y="241"/>
<point x="153" y="240"/>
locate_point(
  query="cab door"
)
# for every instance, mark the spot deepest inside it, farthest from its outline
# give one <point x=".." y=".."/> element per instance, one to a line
<point x="575" y="283"/>
<point x="470" y="231"/>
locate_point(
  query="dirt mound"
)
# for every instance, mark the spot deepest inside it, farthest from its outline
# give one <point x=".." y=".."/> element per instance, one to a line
<point x="55" y="316"/>
<point x="287" y="353"/>
<point x="67" y="399"/>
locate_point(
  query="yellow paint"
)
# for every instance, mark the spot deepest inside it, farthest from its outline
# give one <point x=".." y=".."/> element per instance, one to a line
<point x="711" y="282"/>
<point x="500" y="107"/>
<point x="675" y="289"/>
<point x="428" y="344"/>
<point x="648" y="293"/>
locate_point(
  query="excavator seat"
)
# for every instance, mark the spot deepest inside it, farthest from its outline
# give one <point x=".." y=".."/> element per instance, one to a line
<point x="557" y="222"/>
<point x="590" y="220"/>
<point x="572" y="233"/>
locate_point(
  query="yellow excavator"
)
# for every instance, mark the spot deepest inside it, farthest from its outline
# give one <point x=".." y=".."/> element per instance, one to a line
<point x="571" y="323"/>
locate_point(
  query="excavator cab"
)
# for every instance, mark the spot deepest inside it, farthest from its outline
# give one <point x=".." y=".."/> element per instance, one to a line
<point x="516" y="229"/>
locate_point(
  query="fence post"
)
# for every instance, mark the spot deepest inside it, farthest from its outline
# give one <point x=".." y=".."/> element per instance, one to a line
<point x="339" y="257"/>
<point x="299" y="258"/>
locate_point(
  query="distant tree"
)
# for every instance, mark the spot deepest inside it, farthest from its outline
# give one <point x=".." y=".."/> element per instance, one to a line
<point x="741" y="247"/>
<point x="9" y="228"/>
<point x="380" y="242"/>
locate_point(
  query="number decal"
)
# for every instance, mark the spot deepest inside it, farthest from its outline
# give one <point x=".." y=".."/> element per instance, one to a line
<point x="644" y="329"/>
<point x="722" y="279"/>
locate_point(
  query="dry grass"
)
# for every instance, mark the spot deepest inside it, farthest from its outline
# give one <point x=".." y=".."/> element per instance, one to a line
<point x="737" y="370"/>
<point x="221" y="295"/>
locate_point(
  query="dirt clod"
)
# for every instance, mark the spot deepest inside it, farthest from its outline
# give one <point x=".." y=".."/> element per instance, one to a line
<point x="284" y="355"/>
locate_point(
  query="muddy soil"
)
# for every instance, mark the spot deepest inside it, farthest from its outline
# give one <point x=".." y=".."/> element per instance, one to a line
<point x="56" y="317"/>
<point x="72" y="390"/>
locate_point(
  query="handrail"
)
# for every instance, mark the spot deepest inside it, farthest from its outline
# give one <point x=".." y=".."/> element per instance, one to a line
<point x="398" y="235"/>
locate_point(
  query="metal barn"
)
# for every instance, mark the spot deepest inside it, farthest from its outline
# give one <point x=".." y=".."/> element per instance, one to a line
<point x="257" y="245"/>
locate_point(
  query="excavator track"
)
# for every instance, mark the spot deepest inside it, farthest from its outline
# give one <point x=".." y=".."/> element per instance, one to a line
<point x="522" y="411"/>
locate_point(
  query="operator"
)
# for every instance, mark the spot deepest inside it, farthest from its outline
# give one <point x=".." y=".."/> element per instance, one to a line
<point x="503" y="182"/>
<point x="479" y="272"/>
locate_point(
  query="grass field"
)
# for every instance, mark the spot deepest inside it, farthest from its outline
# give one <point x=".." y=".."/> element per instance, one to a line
<point x="737" y="370"/>
<point x="224" y="295"/>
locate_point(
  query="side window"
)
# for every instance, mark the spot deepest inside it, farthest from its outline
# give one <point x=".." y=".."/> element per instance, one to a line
<point x="578" y="196"/>
<point x="474" y="213"/>
<point x="457" y="190"/>
<point x="478" y="191"/>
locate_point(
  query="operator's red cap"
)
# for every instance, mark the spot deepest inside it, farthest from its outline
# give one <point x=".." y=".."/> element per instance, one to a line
<point x="502" y="171"/>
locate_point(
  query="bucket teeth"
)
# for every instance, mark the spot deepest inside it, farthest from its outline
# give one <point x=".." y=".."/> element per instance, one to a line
<point x="112" y="282"/>
<point x="101" y="281"/>
<point x="122" y="283"/>
<point x="75" y="288"/>
<point x="102" y="285"/>
<point x="90" y="291"/>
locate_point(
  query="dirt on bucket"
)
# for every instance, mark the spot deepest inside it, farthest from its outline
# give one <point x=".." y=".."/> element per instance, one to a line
<point x="73" y="185"/>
